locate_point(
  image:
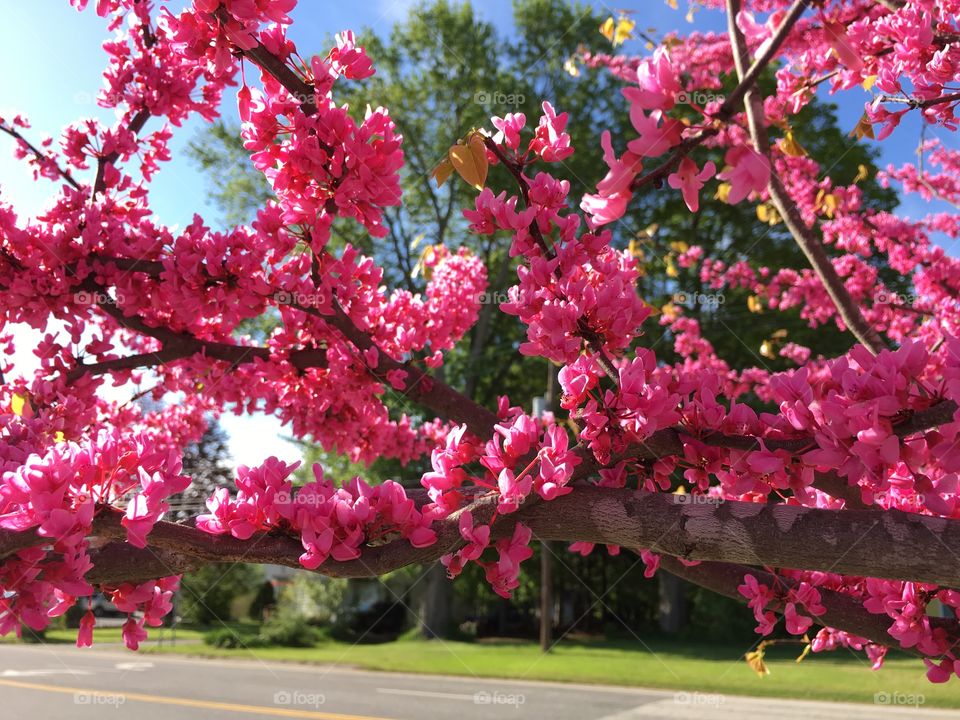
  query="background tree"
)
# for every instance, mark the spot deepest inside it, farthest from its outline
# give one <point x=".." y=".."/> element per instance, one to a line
<point x="209" y="596"/>
<point x="444" y="71"/>
<point x="207" y="463"/>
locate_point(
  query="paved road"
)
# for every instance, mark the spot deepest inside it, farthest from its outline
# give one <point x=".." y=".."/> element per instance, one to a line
<point x="61" y="681"/>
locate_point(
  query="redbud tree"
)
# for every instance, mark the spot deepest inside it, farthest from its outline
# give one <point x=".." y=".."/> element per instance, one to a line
<point x="826" y="495"/>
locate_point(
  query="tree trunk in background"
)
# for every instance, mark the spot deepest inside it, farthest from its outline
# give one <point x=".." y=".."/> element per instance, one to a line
<point x="546" y="596"/>
<point x="546" y="551"/>
<point x="673" y="603"/>
<point x="436" y="601"/>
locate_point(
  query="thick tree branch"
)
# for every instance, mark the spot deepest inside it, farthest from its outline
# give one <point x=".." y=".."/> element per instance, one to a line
<point x="870" y="543"/>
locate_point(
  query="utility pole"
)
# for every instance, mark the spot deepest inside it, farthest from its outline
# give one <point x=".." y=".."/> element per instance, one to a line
<point x="546" y="596"/>
<point x="540" y="406"/>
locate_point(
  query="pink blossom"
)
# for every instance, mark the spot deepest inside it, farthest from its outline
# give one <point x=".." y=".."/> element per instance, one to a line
<point x="85" y="634"/>
<point x="657" y="134"/>
<point x="688" y="180"/>
<point x="747" y="171"/>
<point x="133" y="634"/>
<point x="658" y="83"/>
<point x="509" y="127"/>
<point x="550" y="141"/>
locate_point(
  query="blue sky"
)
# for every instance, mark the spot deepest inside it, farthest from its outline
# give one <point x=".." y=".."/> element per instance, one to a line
<point x="52" y="61"/>
<point x="57" y="59"/>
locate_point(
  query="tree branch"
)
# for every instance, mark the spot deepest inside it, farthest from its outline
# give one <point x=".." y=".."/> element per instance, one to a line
<point x="423" y="388"/>
<point x="843" y="612"/>
<point x="811" y="245"/>
<point x="922" y="104"/>
<point x="731" y="102"/>
<point x="136" y="125"/>
<point x="866" y="543"/>
<point x="177" y="346"/>
<point x="749" y="77"/>
<point x="420" y="386"/>
<point x="41" y="158"/>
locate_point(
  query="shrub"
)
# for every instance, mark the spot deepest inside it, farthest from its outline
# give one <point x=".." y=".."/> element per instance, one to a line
<point x="227" y="638"/>
<point x="289" y="630"/>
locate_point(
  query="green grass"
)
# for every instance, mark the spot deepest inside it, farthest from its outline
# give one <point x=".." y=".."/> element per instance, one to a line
<point x="114" y="634"/>
<point x="107" y="635"/>
<point x="680" y="666"/>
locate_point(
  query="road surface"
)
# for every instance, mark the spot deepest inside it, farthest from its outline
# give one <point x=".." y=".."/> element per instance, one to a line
<point x="62" y="681"/>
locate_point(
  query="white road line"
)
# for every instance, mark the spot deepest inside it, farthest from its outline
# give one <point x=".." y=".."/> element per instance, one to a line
<point x="426" y="693"/>
<point x="136" y="666"/>
<point x="40" y="673"/>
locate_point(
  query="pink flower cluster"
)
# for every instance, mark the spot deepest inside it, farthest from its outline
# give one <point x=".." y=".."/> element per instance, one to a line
<point x="759" y="596"/>
<point x="550" y="141"/>
<point x="853" y="421"/>
<point x="503" y="573"/>
<point x="332" y="522"/>
<point x="324" y="164"/>
<point x="150" y="600"/>
<point x="540" y="449"/>
<point x="61" y="493"/>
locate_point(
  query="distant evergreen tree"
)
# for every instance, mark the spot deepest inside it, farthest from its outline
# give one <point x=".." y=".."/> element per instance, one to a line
<point x="266" y="597"/>
<point x="207" y="462"/>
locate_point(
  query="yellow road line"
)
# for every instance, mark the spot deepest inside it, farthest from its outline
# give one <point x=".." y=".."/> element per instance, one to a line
<point x="188" y="702"/>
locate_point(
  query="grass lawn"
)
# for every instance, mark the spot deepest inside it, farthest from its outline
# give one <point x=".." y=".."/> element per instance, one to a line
<point x="113" y="634"/>
<point x="680" y="666"/>
<point x="108" y="635"/>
